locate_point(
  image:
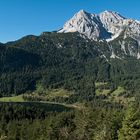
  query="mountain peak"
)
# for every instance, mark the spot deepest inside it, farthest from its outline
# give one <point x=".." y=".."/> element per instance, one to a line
<point x="82" y="11"/>
<point x="104" y="26"/>
<point x="82" y="14"/>
<point x="108" y="13"/>
<point x="110" y="20"/>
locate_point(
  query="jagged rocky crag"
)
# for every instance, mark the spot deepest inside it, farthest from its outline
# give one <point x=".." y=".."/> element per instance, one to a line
<point x="108" y="27"/>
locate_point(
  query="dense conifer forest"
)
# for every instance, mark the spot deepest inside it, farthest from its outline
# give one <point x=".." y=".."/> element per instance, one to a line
<point x="58" y="87"/>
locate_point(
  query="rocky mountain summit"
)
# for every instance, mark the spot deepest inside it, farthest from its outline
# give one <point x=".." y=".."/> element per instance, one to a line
<point x="121" y="34"/>
<point x="107" y="25"/>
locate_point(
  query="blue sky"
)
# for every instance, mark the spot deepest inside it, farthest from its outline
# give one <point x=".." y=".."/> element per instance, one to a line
<point x="22" y="17"/>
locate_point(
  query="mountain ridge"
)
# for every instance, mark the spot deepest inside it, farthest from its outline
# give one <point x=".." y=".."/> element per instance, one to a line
<point x="107" y="25"/>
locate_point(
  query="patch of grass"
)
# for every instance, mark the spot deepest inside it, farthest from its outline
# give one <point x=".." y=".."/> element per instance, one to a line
<point x="18" y="98"/>
<point x="117" y="96"/>
<point x="121" y="99"/>
<point x="118" y="91"/>
<point x="99" y="84"/>
<point x="106" y="91"/>
<point x="48" y="95"/>
<point x="102" y="91"/>
<point x="101" y="88"/>
<point x="58" y="93"/>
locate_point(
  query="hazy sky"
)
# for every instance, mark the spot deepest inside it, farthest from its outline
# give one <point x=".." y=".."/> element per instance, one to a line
<point x="22" y="17"/>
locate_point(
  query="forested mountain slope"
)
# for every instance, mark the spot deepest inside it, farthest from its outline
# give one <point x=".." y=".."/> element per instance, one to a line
<point x="59" y="60"/>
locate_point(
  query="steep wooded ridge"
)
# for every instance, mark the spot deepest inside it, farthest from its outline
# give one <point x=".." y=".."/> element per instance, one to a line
<point x="80" y="83"/>
<point x="61" y="59"/>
